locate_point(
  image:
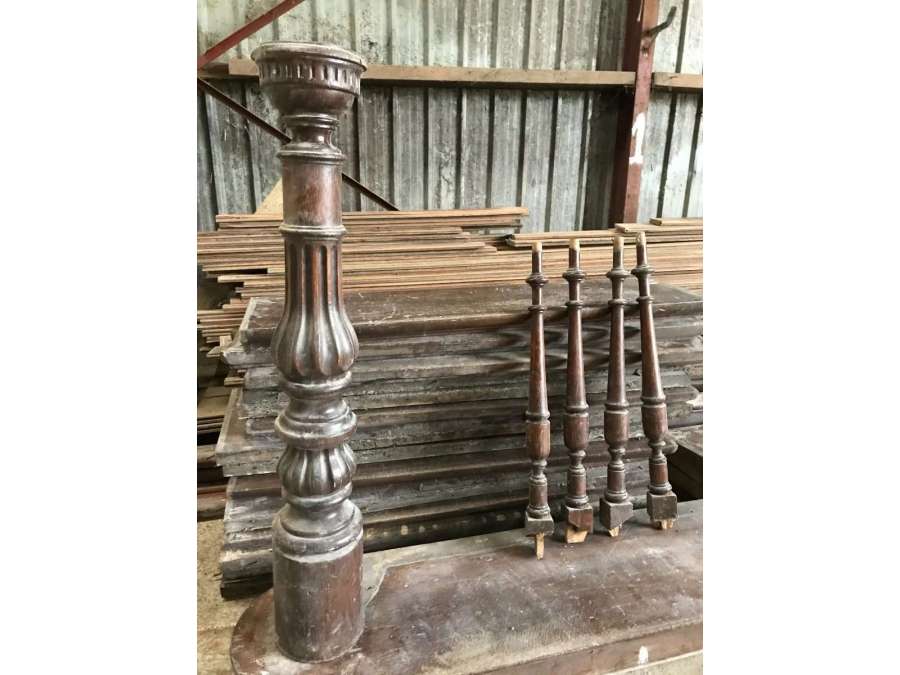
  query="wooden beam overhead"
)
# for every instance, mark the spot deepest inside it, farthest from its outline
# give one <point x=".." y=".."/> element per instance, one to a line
<point x="685" y="82"/>
<point x="452" y="76"/>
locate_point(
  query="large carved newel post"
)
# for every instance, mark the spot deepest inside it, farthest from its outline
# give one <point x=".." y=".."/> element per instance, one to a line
<point x="317" y="535"/>
<point x="662" y="505"/>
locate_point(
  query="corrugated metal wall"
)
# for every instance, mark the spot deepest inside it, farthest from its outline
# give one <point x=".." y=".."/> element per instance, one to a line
<point x="424" y="147"/>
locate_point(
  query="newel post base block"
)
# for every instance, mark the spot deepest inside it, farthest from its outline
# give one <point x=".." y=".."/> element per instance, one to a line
<point x="326" y="609"/>
<point x="662" y="509"/>
<point x="613" y="516"/>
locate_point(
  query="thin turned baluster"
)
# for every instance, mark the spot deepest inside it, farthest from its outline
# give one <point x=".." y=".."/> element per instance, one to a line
<point x="615" y="507"/>
<point x="579" y="512"/>
<point x="662" y="504"/>
<point x="538" y="521"/>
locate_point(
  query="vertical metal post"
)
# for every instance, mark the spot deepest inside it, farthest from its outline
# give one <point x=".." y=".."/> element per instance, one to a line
<point x="632" y="123"/>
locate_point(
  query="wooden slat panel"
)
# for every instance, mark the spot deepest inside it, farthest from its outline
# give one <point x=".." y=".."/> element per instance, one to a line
<point x="506" y="134"/>
<point x="683" y="119"/>
<point x="264" y="163"/>
<point x="215" y="21"/>
<point x="692" y="52"/>
<point x="539" y="115"/>
<point x="665" y="58"/>
<point x="695" y="198"/>
<point x="604" y="108"/>
<point x="475" y="121"/>
<point x="443" y="109"/>
<point x="245" y="12"/>
<point x="347" y="141"/>
<point x="374" y="105"/>
<point x="230" y="147"/>
<point x="206" y="192"/>
<point x="296" y="23"/>
<point x="333" y="22"/>
<point x="578" y="32"/>
<point x="408" y="105"/>
<point x="375" y="156"/>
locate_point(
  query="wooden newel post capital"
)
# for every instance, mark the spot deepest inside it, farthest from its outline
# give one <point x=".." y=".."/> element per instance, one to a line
<point x="317" y="535"/>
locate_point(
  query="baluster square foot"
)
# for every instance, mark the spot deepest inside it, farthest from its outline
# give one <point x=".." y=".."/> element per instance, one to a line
<point x="579" y="523"/>
<point x="535" y="526"/>
<point x="662" y="509"/>
<point x="612" y="516"/>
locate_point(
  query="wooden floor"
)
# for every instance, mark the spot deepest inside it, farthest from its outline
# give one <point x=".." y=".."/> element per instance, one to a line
<point x="485" y="604"/>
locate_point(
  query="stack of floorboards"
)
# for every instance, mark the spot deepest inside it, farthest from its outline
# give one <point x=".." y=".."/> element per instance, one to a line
<point x="425" y="250"/>
<point x="381" y="250"/>
<point x="440" y="388"/>
<point x="211" y="405"/>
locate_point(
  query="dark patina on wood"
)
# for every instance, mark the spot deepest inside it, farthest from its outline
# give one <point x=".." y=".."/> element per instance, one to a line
<point x="457" y="607"/>
<point x="615" y="507"/>
<point x="317" y="535"/>
<point x="578" y="510"/>
<point x="662" y="504"/>
<point x="538" y="521"/>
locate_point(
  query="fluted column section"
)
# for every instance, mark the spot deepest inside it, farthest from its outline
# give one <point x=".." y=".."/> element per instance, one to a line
<point x="662" y="504"/>
<point x="579" y="512"/>
<point x="538" y="521"/>
<point x="317" y="535"/>
<point x="615" y="507"/>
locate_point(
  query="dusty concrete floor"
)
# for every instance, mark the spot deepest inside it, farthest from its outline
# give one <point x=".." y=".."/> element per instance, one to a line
<point x="215" y="617"/>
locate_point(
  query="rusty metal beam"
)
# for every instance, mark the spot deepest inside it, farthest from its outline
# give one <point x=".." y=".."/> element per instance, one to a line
<point x="641" y="30"/>
<point x="244" y="32"/>
<point x="253" y="118"/>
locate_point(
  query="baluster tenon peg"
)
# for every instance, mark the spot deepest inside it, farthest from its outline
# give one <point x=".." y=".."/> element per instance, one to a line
<point x="538" y="521"/>
<point x="662" y="504"/>
<point x="615" y="507"/>
<point x="578" y="510"/>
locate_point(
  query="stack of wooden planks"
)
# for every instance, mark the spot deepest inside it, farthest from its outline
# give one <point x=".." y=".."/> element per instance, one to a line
<point x="381" y="250"/>
<point x="440" y="387"/>
<point x="424" y="250"/>
<point x="211" y="405"/>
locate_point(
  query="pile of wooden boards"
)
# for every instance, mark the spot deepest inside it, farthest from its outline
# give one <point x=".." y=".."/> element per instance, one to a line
<point x="211" y="405"/>
<point x="381" y="250"/>
<point x="424" y="250"/>
<point x="440" y="388"/>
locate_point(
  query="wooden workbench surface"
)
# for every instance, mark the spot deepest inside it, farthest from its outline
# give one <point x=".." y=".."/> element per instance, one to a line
<point x="486" y="604"/>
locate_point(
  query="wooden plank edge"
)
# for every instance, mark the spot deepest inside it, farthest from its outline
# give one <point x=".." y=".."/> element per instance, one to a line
<point x="456" y="76"/>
